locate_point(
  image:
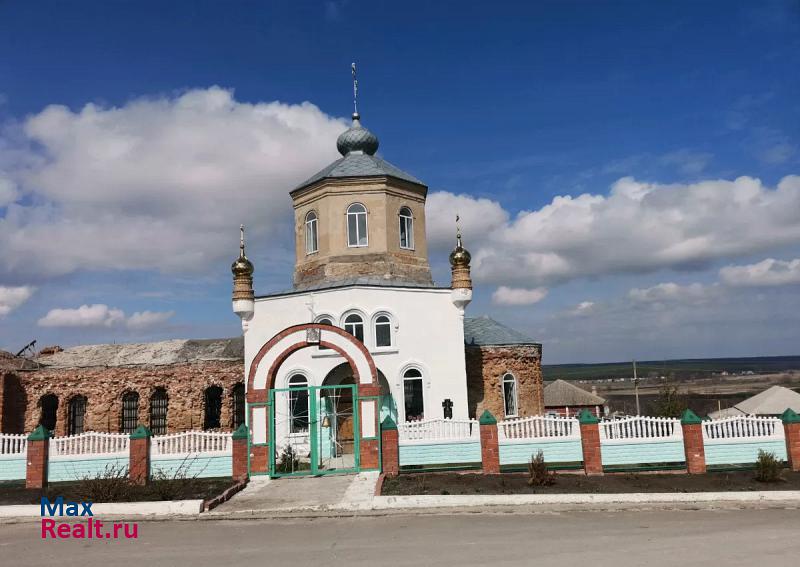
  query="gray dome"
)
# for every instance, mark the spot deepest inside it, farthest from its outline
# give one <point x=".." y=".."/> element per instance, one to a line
<point x="357" y="138"/>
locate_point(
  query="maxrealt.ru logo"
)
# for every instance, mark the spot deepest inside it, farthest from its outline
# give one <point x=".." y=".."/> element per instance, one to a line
<point x="90" y="529"/>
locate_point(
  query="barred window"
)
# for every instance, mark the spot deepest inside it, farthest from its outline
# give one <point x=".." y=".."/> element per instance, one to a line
<point x="298" y="404"/>
<point x="158" y="412"/>
<point x="49" y="411"/>
<point x="213" y="407"/>
<point x="238" y="405"/>
<point x="76" y="416"/>
<point x="130" y="412"/>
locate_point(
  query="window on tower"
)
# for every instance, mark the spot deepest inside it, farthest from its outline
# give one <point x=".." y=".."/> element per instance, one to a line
<point x="510" y="395"/>
<point x="356" y="225"/>
<point x="312" y="244"/>
<point x="406" y="229"/>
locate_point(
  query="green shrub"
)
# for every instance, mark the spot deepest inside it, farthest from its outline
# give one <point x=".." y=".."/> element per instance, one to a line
<point x="288" y="461"/>
<point x="768" y="467"/>
<point x="538" y="475"/>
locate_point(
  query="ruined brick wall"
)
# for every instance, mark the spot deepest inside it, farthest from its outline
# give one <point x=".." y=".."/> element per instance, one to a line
<point x="486" y="366"/>
<point x="12" y="403"/>
<point x="104" y="387"/>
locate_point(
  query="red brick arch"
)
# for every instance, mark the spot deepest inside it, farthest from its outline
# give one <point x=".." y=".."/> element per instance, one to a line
<point x="260" y="395"/>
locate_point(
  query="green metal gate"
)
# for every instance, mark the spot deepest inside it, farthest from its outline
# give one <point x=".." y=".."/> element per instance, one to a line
<point x="314" y="430"/>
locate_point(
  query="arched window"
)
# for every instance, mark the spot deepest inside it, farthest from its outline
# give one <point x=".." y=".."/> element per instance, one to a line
<point x="130" y="412"/>
<point x="298" y="404"/>
<point x="311" y="233"/>
<point x="76" y="415"/>
<point x="324" y="320"/>
<point x="49" y="411"/>
<point x="158" y="412"/>
<point x="383" y="331"/>
<point x="413" y="395"/>
<point x="354" y="325"/>
<point x="406" y="229"/>
<point x="237" y="413"/>
<point x="510" y="395"/>
<point x="212" y="398"/>
<point x="356" y="225"/>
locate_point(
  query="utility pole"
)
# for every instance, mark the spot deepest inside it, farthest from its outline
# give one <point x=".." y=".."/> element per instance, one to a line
<point x="636" y="388"/>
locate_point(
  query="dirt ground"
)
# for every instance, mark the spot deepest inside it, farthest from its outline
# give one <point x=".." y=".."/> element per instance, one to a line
<point x="517" y="483"/>
<point x="194" y="489"/>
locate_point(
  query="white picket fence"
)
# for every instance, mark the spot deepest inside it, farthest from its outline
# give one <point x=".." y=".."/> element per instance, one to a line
<point x="741" y="428"/>
<point x="90" y="444"/>
<point x="431" y="431"/>
<point x="636" y="429"/>
<point x="539" y="427"/>
<point x="12" y="445"/>
<point x="209" y="443"/>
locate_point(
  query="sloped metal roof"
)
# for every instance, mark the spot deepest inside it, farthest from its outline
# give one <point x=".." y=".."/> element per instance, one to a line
<point x="561" y="393"/>
<point x="485" y="331"/>
<point x="359" y="165"/>
<point x="772" y="401"/>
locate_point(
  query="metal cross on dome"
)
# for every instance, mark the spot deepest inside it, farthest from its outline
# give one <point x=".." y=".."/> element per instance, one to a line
<point x="355" y="89"/>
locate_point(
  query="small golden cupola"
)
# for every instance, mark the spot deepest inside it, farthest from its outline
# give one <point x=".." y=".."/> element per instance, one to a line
<point x="243" y="296"/>
<point x="459" y="265"/>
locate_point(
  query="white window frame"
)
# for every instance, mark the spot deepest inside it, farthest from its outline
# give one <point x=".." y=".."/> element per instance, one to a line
<point x="408" y="220"/>
<point x="363" y="324"/>
<point x="403" y="380"/>
<point x="513" y="381"/>
<point x="312" y="233"/>
<point x="374" y="329"/>
<point x="289" y="412"/>
<point x="358" y="233"/>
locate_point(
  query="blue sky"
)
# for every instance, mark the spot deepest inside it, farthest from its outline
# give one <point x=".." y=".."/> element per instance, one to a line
<point x="510" y="107"/>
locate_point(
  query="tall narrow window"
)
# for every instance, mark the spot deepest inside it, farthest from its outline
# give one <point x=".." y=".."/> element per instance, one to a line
<point x="406" y="229"/>
<point x="324" y="321"/>
<point x="510" y="395"/>
<point x="130" y="412"/>
<point x="298" y="404"/>
<point x="76" y="416"/>
<point x="158" y="412"/>
<point x="383" y="331"/>
<point x="354" y="325"/>
<point x="237" y="412"/>
<point x="412" y="395"/>
<point x="311" y="233"/>
<point x="212" y="398"/>
<point x="356" y="225"/>
<point x="49" y="411"/>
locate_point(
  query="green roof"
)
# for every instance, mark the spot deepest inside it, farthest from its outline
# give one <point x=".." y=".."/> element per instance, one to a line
<point x="485" y="331"/>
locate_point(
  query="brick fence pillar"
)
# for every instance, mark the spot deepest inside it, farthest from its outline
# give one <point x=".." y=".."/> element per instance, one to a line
<point x="490" y="448"/>
<point x="239" y="467"/>
<point x="38" y="453"/>
<point x="791" y="425"/>
<point x="590" y="443"/>
<point x="693" y="442"/>
<point x="390" y="447"/>
<point x="139" y="466"/>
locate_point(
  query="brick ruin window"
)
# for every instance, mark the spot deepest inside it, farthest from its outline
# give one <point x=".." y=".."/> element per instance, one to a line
<point x="238" y="405"/>
<point x="49" y="411"/>
<point x="130" y="412"/>
<point x="212" y="398"/>
<point x="76" y="415"/>
<point x="158" y="412"/>
<point x="510" y="395"/>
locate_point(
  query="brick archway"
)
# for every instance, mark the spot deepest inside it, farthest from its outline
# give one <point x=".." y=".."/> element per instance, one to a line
<point x="275" y="352"/>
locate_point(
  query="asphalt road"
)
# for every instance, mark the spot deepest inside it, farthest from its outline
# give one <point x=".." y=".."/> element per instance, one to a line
<point x="653" y="538"/>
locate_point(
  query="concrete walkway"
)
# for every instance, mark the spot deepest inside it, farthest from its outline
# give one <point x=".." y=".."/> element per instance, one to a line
<point x="300" y="494"/>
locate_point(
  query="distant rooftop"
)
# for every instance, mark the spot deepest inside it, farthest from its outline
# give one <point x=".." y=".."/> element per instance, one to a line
<point x="485" y="331"/>
<point x="772" y="401"/>
<point x="561" y="393"/>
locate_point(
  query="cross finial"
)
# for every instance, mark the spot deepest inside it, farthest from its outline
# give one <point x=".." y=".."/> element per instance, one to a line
<point x="355" y="91"/>
<point x="241" y="241"/>
<point x="458" y="230"/>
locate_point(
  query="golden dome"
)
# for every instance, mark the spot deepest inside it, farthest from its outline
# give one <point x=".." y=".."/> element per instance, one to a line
<point x="460" y="256"/>
<point x="242" y="266"/>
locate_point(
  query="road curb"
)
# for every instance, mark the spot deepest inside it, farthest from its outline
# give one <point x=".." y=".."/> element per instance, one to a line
<point x="118" y="509"/>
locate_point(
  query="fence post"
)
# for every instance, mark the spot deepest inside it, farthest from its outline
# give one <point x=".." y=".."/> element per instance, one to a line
<point x="590" y="443"/>
<point x="390" y="447"/>
<point x="693" y="442"/>
<point x="139" y="451"/>
<point x="791" y="426"/>
<point x="239" y="453"/>
<point x="490" y="449"/>
<point x="38" y="454"/>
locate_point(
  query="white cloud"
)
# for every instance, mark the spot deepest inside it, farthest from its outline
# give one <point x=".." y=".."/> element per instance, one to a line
<point x="518" y="296"/>
<point x="639" y="227"/>
<point x="12" y="297"/>
<point x="8" y="192"/>
<point x="583" y="308"/>
<point x="769" y="272"/>
<point x="479" y="216"/>
<point x="158" y="183"/>
<point x="672" y="292"/>
<point x="101" y="315"/>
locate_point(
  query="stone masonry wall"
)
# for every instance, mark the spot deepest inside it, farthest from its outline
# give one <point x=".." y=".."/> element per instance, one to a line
<point x="486" y="366"/>
<point x="104" y="387"/>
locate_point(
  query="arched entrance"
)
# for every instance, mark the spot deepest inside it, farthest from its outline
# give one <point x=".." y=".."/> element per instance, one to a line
<point x="267" y="404"/>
